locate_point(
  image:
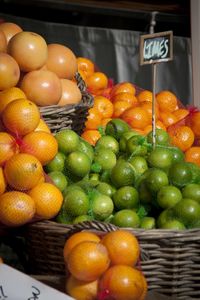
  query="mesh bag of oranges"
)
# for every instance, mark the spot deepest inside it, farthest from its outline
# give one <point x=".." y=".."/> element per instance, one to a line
<point x="26" y="145"/>
<point x="103" y="265"/>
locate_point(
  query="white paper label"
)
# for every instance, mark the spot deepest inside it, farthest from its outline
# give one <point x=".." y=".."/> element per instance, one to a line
<point x="14" y="285"/>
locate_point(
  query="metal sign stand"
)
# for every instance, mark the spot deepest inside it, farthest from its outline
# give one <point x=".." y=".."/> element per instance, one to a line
<point x="154" y="69"/>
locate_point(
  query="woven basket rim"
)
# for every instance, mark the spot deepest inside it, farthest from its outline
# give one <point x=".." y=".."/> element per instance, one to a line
<point x="50" y="225"/>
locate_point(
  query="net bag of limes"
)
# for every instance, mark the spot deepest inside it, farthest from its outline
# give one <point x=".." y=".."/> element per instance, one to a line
<point x="124" y="182"/>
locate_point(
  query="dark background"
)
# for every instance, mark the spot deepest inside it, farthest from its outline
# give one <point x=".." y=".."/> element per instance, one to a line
<point x="131" y="15"/>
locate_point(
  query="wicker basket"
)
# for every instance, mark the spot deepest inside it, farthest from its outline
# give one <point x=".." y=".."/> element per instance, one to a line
<point x="69" y="116"/>
<point x="170" y="259"/>
<point x="58" y="283"/>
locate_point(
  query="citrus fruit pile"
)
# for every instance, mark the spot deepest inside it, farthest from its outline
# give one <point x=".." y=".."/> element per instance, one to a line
<point x="124" y="180"/>
<point x="26" y="145"/>
<point x="134" y="105"/>
<point x="44" y="72"/>
<point x="104" y="267"/>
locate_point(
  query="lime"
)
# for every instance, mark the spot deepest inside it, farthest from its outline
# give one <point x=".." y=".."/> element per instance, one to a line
<point x="126" y="218"/>
<point x="63" y="217"/>
<point x="139" y="163"/>
<point x="68" y="141"/>
<point x="102" y="206"/>
<point x="187" y="211"/>
<point x="148" y="223"/>
<point x="134" y="146"/>
<point x="195" y="169"/>
<point x="82" y="218"/>
<point x="160" y="158"/>
<point x="56" y="164"/>
<point x="168" y="196"/>
<point x="76" y="203"/>
<point x="145" y="194"/>
<point x="180" y="174"/>
<point x="105" y="176"/>
<point x="174" y="225"/>
<point x="124" y="138"/>
<point x="86" y="148"/>
<point x="126" y="197"/>
<point x="156" y="179"/>
<point x="87" y="184"/>
<point x="70" y="188"/>
<point x="177" y="154"/>
<point x="162" y="137"/>
<point x="194" y="224"/>
<point x="106" y="189"/>
<point x="78" y="163"/>
<point x="106" y="158"/>
<point x="192" y="191"/>
<point x="94" y="176"/>
<point x="165" y="216"/>
<point x="116" y="128"/>
<point x="59" y="179"/>
<point x="108" y="142"/>
<point x="122" y="174"/>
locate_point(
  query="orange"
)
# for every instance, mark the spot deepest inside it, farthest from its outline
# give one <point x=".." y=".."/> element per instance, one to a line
<point x="122" y="282"/>
<point x="8" y="147"/>
<point x="167" y="101"/>
<point x="48" y="200"/>
<point x="140" y="131"/>
<point x="145" y="289"/>
<point x="91" y="136"/>
<point x="194" y="123"/>
<point x="181" y="136"/>
<point x="77" y="238"/>
<point x="2" y="128"/>
<point x="168" y="118"/>
<point x="119" y="107"/>
<point x="21" y="116"/>
<point x="193" y="155"/>
<point x="122" y="246"/>
<point x="144" y="96"/>
<point x="128" y="97"/>
<point x="1" y="260"/>
<point x="97" y="81"/>
<point x="2" y="182"/>
<point x="105" y="121"/>
<point x="159" y="125"/>
<point x="81" y="290"/>
<point x="10" y="29"/>
<point x="93" y="118"/>
<point x="42" y="126"/>
<point x="88" y="260"/>
<point x="123" y="87"/>
<point x="9" y="95"/>
<point x="16" y="208"/>
<point x="42" y="145"/>
<point x="104" y="106"/>
<point x="85" y="66"/>
<point x="136" y="117"/>
<point x="23" y="171"/>
<point x="106" y="92"/>
<point x="147" y="106"/>
<point x="181" y="113"/>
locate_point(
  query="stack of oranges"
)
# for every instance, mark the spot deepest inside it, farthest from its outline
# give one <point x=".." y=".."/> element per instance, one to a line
<point x="104" y="267"/>
<point x="26" y="145"/>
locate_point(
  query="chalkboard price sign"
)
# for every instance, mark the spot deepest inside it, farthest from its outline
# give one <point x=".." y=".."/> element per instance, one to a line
<point x="156" y="47"/>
